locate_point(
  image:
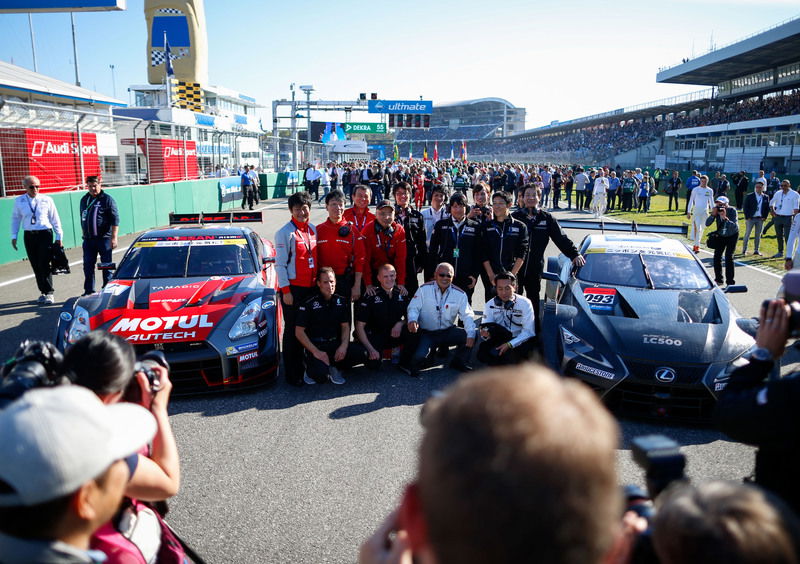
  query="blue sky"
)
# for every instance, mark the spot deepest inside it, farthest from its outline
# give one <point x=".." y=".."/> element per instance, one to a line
<point x="560" y="60"/>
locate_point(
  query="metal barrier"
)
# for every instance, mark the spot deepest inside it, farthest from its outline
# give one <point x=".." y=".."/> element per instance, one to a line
<point x="61" y="145"/>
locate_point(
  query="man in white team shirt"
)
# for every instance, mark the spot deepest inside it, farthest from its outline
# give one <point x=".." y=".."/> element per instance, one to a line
<point x="700" y="204"/>
<point x="600" y="194"/>
<point x="784" y="205"/>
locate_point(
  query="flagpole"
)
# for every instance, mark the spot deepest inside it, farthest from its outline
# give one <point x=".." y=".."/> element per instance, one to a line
<point x="167" y="82"/>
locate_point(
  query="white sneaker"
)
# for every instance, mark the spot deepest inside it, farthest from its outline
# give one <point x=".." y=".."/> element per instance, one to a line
<point x="335" y="376"/>
<point x="49" y="299"/>
<point x="42" y="299"/>
<point x="308" y="379"/>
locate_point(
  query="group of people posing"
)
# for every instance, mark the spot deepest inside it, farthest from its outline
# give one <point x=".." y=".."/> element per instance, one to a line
<point x="372" y="262"/>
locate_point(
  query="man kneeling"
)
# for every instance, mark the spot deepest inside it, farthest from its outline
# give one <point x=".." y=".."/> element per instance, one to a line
<point x="507" y="330"/>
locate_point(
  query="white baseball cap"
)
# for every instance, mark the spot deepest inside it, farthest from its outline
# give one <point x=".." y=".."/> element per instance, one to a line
<point x="53" y="440"/>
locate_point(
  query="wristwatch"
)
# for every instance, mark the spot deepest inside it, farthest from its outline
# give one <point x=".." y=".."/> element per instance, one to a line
<point x="762" y="354"/>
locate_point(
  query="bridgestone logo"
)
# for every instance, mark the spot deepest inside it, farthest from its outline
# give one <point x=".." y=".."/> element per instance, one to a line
<point x="594" y="371"/>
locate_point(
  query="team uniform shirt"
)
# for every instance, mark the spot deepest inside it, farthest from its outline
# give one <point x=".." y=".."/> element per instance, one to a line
<point x="247" y="180"/>
<point x="416" y="244"/>
<point x="98" y="215"/>
<point x="322" y="319"/>
<point x="701" y="201"/>
<point x="692" y="182"/>
<point x="542" y="227"/>
<point x="343" y="252"/>
<point x="313" y="174"/>
<point x="516" y="317"/>
<point x="431" y="216"/>
<point x="794" y="238"/>
<point x="382" y="311"/>
<point x="600" y="185"/>
<point x="382" y="248"/>
<point x="628" y="185"/>
<point x="359" y="220"/>
<point x="456" y="244"/>
<point x="785" y="204"/>
<point x="435" y="310"/>
<point x="503" y="243"/>
<point x="613" y="184"/>
<point x="296" y="255"/>
<point x="35" y="214"/>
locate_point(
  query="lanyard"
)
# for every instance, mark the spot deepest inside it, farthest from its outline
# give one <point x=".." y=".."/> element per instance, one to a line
<point x="363" y="222"/>
<point x="457" y="232"/>
<point x="388" y="245"/>
<point x="441" y="299"/>
<point x="302" y="237"/>
<point x="33" y="210"/>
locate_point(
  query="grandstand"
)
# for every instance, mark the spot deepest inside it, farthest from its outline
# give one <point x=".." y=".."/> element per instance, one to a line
<point x="468" y="120"/>
<point x="748" y="119"/>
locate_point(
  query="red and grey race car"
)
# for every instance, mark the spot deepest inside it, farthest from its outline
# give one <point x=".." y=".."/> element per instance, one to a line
<point x="203" y="294"/>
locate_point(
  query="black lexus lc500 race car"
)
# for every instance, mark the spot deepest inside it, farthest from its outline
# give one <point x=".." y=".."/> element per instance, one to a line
<point x="202" y="292"/>
<point x="642" y="323"/>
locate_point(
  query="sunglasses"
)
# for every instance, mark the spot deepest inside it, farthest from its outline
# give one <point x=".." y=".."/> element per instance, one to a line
<point x="443" y="275"/>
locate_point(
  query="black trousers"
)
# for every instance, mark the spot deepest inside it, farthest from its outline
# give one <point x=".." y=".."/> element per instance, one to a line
<point x="463" y="283"/>
<point x="248" y="196"/>
<point x="380" y="342"/>
<point x="556" y="196"/>
<point x="92" y="247"/>
<point x="727" y="248"/>
<point x="419" y="344"/>
<point x="292" y="350"/>
<point x="569" y="198"/>
<point x="627" y="201"/>
<point x="579" y="199"/>
<point x="688" y="197"/>
<point x="673" y="196"/>
<point x="498" y="335"/>
<point x="531" y="287"/>
<point x="37" y="246"/>
<point x="318" y="370"/>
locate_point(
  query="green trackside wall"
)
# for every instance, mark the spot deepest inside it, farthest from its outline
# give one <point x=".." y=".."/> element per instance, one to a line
<point x="140" y="207"/>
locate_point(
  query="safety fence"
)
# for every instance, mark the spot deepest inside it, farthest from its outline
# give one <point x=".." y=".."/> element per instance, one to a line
<point x="63" y="145"/>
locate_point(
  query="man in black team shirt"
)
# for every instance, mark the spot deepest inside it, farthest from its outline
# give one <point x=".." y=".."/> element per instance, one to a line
<point x="414" y="226"/>
<point x="505" y="241"/>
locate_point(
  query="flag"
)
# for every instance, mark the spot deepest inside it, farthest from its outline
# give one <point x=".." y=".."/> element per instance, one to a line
<point x="168" y="58"/>
<point x="461" y="153"/>
<point x="425" y="152"/>
<point x="452" y="155"/>
<point x="435" y="150"/>
<point x="410" y="152"/>
<point x="464" y="151"/>
<point x="395" y="153"/>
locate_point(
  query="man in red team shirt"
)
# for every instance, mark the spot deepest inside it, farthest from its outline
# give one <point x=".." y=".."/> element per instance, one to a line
<point x="341" y="246"/>
<point x="384" y="243"/>
<point x="359" y="214"/>
<point x="295" y="264"/>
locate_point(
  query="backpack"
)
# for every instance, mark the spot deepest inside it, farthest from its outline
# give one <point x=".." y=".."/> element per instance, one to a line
<point x="138" y="534"/>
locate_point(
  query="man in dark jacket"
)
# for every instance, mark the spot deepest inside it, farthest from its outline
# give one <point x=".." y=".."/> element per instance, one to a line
<point x="542" y="228"/>
<point x="455" y="240"/>
<point x="742" y="183"/>
<point x="756" y="210"/>
<point x="505" y="241"/>
<point x="414" y="225"/>
<point x="100" y="224"/>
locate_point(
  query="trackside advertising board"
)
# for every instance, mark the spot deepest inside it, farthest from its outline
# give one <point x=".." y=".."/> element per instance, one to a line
<point x="230" y="189"/>
<point x="170" y="159"/>
<point x="52" y="156"/>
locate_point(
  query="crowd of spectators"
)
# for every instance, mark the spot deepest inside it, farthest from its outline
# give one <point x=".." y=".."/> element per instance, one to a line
<point x="461" y="133"/>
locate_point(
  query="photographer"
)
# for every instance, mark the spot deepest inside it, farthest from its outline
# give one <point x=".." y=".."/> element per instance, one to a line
<point x="728" y="233"/>
<point x="761" y="411"/>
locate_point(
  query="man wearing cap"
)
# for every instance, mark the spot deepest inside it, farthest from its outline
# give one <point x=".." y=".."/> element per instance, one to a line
<point x="728" y="229"/>
<point x="38" y="217"/>
<point x="63" y="471"/>
<point x="699" y="204"/>
<point x="384" y="243"/>
<point x="100" y="224"/>
<point x="785" y="204"/>
<point x="756" y="208"/>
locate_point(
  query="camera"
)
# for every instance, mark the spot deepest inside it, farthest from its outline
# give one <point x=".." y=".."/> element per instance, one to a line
<point x="790" y="292"/>
<point x="146" y="364"/>
<point x="35" y="364"/>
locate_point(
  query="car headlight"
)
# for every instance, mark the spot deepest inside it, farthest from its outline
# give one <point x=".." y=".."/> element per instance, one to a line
<point x="247" y="324"/>
<point x="79" y="326"/>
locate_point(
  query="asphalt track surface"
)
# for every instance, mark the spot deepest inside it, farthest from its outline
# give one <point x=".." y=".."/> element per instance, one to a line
<point x="304" y="475"/>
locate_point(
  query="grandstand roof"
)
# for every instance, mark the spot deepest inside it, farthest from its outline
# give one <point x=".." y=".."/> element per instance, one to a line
<point x="471" y="102"/>
<point x="761" y="51"/>
<point x="22" y="80"/>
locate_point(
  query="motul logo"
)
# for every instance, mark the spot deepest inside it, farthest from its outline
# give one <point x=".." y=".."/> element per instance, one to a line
<point x="178" y="152"/>
<point x="149" y="324"/>
<point x="41" y="148"/>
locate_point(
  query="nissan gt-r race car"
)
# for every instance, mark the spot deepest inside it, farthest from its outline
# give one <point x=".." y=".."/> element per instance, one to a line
<point x="642" y="323"/>
<point x="203" y="294"/>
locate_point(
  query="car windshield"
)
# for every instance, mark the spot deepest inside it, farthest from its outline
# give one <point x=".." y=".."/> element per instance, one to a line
<point x="169" y="258"/>
<point x="628" y="269"/>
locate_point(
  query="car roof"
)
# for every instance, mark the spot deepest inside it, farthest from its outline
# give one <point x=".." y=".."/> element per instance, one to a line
<point x="631" y="242"/>
<point x="198" y="230"/>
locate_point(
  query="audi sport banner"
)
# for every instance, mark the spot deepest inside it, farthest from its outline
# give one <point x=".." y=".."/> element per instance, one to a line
<point x="52" y="156"/>
<point x="170" y="159"/>
<point x="230" y="189"/>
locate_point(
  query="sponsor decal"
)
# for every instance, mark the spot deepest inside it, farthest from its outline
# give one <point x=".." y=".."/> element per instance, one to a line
<point x="65" y="316"/>
<point x="193" y="243"/>
<point x="230" y="351"/>
<point x="594" y="371"/>
<point x="262" y="332"/>
<point x="665" y="374"/>
<point x="719" y="386"/>
<point x="248" y="356"/>
<point x="172" y="336"/>
<point x="150" y="324"/>
<point x="661" y="340"/>
<point x="268" y="304"/>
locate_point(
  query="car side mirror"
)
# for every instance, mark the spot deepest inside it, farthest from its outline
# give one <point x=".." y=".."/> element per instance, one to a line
<point x="737" y="289"/>
<point x="106" y="266"/>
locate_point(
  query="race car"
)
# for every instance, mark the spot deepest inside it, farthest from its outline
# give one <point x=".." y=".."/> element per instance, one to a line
<point x="642" y="323"/>
<point x="202" y="292"/>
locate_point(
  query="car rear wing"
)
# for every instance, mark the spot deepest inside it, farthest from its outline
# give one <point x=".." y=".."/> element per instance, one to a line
<point x="631" y="227"/>
<point x="215" y="217"/>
